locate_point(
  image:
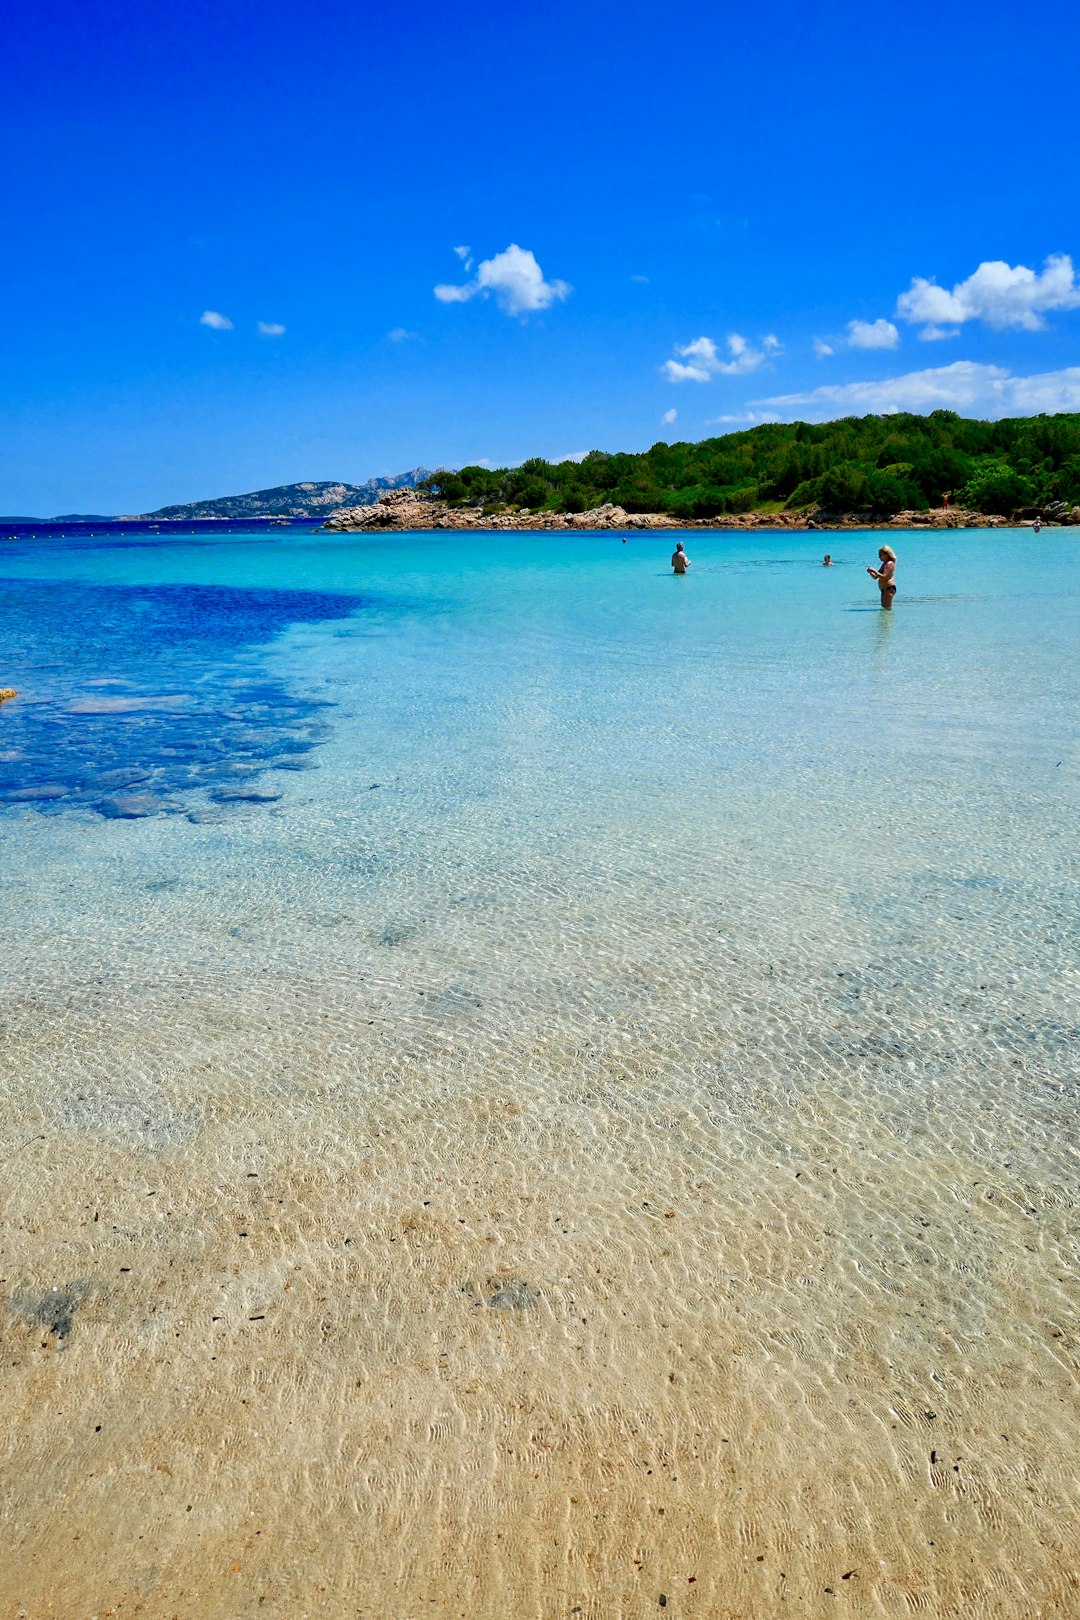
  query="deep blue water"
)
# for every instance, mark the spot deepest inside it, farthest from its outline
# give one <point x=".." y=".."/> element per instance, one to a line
<point x="132" y="696"/>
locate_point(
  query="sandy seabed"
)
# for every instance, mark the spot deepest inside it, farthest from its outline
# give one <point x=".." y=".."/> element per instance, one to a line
<point x="601" y="1144"/>
<point x="380" y="1296"/>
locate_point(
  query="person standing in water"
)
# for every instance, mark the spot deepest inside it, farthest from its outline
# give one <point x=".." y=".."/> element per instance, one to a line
<point x="885" y="575"/>
<point x="827" y="563"/>
<point x="680" y="562"/>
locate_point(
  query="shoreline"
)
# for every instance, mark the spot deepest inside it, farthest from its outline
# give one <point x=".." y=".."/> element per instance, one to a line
<point x="404" y="510"/>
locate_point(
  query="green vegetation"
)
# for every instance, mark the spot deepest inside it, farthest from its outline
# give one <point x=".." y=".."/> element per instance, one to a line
<point x="874" y="464"/>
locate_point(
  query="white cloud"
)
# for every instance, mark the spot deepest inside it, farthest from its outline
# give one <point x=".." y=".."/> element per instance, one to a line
<point x="990" y="390"/>
<point x="639" y="278"/>
<point x="823" y="349"/>
<point x="271" y="329"/>
<point x="741" y="418"/>
<point x="465" y="255"/>
<point x="400" y="334"/>
<point x="447" y="293"/>
<point x="1047" y="391"/>
<point x="515" y="280"/>
<point x="937" y="334"/>
<point x="704" y="360"/>
<point x="880" y="334"/>
<point x="218" y="323"/>
<point x="1000" y="294"/>
<point x="668" y="417"/>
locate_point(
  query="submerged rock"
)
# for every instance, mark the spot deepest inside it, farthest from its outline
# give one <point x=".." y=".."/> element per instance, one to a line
<point x="41" y="790"/>
<point x="245" y="795"/>
<point x="133" y="806"/>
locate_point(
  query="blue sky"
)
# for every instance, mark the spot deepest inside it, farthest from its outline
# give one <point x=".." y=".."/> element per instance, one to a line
<point x="665" y="209"/>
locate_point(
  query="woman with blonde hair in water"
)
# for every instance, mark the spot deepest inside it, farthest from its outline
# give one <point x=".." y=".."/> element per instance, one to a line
<point x="885" y="575"/>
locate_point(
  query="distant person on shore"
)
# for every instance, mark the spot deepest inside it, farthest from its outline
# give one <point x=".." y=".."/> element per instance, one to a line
<point x="827" y="563"/>
<point x="680" y="562"/>
<point x="885" y="575"/>
<point x="945" y="500"/>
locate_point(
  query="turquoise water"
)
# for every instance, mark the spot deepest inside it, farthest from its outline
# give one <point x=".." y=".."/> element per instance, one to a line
<point x="519" y="869"/>
<point x="560" y="741"/>
<point x="546" y="698"/>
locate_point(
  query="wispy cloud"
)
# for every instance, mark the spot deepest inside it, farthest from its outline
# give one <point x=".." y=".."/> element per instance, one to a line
<point x="465" y="255"/>
<point x="965" y="386"/>
<point x="400" y="334"/>
<point x="880" y="334"/>
<point x="741" y="418"/>
<point x="512" y="277"/>
<point x="643" y="279"/>
<point x="217" y="323"/>
<point x="999" y="294"/>
<point x="271" y="328"/>
<point x="668" y="417"/>
<point x="701" y="359"/>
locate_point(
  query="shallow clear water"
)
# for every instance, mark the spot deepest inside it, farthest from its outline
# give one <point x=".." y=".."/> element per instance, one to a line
<point x="632" y="1011"/>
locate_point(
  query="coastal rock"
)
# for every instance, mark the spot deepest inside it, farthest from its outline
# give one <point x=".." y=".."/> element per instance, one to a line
<point x="7" y="692"/>
<point x="407" y="509"/>
<point x="396" y="509"/>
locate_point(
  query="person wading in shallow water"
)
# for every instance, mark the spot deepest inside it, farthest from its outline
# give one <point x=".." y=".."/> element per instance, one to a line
<point x="885" y="575"/>
<point x="680" y="562"/>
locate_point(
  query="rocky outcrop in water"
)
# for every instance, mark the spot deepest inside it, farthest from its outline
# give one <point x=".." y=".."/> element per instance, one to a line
<point x="396" y="509"/>
<point x="406" y="509"/>
<point x="409" y="510"/>
<point x="7" y="692"/>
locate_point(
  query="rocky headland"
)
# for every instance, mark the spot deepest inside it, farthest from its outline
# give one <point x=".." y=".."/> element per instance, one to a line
<point x="310" y="500"/>
<point x="409" y="509"/>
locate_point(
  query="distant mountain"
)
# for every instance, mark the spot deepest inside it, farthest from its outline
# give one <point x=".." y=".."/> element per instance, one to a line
<point x="82" y="517"/>
<point x="291" y="500"/>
